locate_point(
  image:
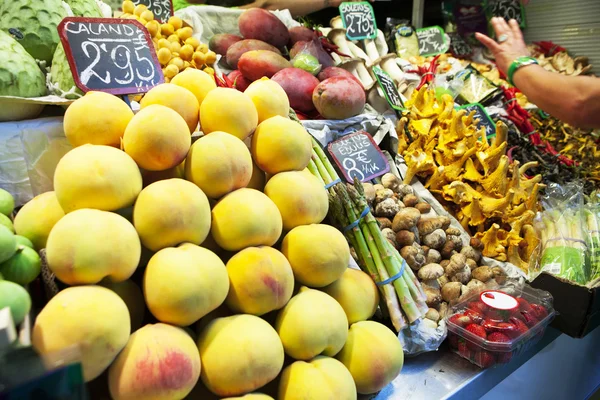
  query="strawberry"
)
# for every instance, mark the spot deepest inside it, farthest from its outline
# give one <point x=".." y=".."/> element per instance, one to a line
<point x="453" y="340"/>
<point x="538" y="311"/>
<point x="494" y="326"/>
<point x="523" y="304"/>
<point x="478" y="306"/>
<point x="503" y="357"/>
<point x="498" y="337"/>
<point x="529" y="319"/>
<point x="498" y="315"/>
<point x="475" y="316"/>
<point x="464" y="350"/>
<point x="520" y="328"/>
<point x="460" y="320"/>
<point x="478" y="331"/>
<point x="484" y="359"/>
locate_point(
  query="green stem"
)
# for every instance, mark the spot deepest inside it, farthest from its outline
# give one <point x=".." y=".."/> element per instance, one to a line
<point x="323" y="157"/>
<point x="312" y="167"/>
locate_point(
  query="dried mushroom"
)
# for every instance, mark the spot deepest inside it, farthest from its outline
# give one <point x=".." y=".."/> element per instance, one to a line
<point x="430" y="224"/>
<point x="448" y="250"/>
<point x="423" y="207"/>
<point x="406" y="218"/>
<point x="471" y="264"/>
<point x="410" y="200"/>
<point x="383" y="194"/>
<point x="471" y="253"/>
<point x="433" y="256"/>
<point x="451" y="291"/>
<point x="431" y="271"/>
<point x="391" y="181"/>
<point x="369" y="190"/>
<point x="432" y="296"/>
<point x="387" y="208"/>
<point x="413" y="256"/>
<point x="435" y="239"/>
<point x="404" y="190"/>
<point x="453" y="231"/>
<point x="390" y="235"/>
<point x="483" y="273"/>
<point x="463" y="276"/>
<point x="384" y="222"/>
<point x="405" y="238"/>
<point x="433" y="315"/>
<point x="457" y="263"/>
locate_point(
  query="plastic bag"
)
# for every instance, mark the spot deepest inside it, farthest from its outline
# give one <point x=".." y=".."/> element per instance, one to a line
<point x="402" y="37"/>
<point x="476" y="88"/>
<point x="310" y="56"/>
<point x="563" y="233"/>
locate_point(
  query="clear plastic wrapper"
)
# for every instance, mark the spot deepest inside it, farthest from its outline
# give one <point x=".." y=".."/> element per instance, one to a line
<point x="476" y="88"/>
<point x="311" y="57"/>
<point x="493" y="326"/>
<point x="564" y="233"/>
<point x="402" y="37"/>
<point x="592" y="221"/>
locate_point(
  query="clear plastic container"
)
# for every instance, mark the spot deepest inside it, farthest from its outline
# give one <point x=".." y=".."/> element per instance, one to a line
<point x="493" y="326"/>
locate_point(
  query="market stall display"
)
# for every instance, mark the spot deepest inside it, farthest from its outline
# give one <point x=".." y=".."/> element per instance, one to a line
<point x="204" y="239"/>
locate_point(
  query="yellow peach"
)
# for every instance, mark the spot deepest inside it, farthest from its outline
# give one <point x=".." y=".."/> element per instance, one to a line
<point x="177" y="98"/>
<point x="357" y="294"/>
<point x="269" y="99"/>
<point x="228" y="110"/>
<point x="196" y="81"/>
<point x="37" y="217"/>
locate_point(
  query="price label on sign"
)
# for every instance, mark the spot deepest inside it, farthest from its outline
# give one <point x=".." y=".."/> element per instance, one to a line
<point x="359" y="20"/>
<point x="162" y="9"/>
<point x="458" y="46"/>
<point x="507" y="9"/>
<point x="357" y="155"/>
<point x="484" y="118"/>
<point x="110" y="55"/>
<point x="432" y="41"/>
<point x="389" y="89"/>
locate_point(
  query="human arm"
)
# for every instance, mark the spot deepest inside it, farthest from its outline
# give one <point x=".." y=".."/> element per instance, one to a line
<point x="572" y="99"/>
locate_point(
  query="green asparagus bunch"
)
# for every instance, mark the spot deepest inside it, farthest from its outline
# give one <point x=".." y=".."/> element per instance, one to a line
<point x="403" y="296"/>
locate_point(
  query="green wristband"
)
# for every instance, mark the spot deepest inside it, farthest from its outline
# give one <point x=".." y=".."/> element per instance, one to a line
<point x="518" y="63"/>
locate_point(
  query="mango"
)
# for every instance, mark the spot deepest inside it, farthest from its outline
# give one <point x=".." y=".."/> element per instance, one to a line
<point x="16" y="298"/>
<point x="149" y="177"/>
<point x="312" y="323"/>
<point x="318" y="254"/>
<point x="132" y="295"/>
<point x="239" y="82"/>
<point x="258" y="178"/>
<point x="157" y="138"/>
<point x="178" y="99"/>
<point x="8" y="244"/>
<point x="228" y="110"/>
<point x="322" y="378"/>
<point x="373" y="355"/>
<point x="87" y="245"/>
<point x="251" y="396"/>
<point x="280" y="144"/>
<point x="255" y="64"/>
<point x="37" y="217"/>
<point x="171" y="212"/>
<point x="260" y="281"/>
<point x="357" y="294"/>
<point x="300" y="34"/>
<point x="218" y="164"/>
<point x="99" y="177"/>
<point x="221" y="42"/>
<point x="196" y="81"/>
<point x="159" y="362"/>
<point x="239" y="354"/>
<point x="300" y="197"/>
<point x="256" y="23"/>
<point x="245" y="218"/>
<point x="330" y="72"/>
<point x="7" y="202"/>
<point x="299" y="86"/>
<point x="183" y="284"/>
<point x="269" y="99"/>
<point x="339" y="97"/>
<point x="236" y="50"/>
<point x="97" y="118"/>
<point x="92" y="318"/>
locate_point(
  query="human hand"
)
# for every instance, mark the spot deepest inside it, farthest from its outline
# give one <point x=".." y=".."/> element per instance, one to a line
<point x="510" y="44"/>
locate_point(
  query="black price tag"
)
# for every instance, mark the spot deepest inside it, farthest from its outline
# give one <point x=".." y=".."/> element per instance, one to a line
<point x="359" y="20"/>
<point x="459" y="47"/>
<point x="432" y="41"/>
<point x="162" y="9"/>
<point x="110" y="55"/>
<point x="357" y="155"/>
<point x="507" y="9"/>
<point x="389" y="89"/>
<point x="484" y="118"/>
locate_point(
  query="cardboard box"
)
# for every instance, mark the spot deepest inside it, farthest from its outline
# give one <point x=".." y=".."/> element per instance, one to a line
<point x="578" y="307"/>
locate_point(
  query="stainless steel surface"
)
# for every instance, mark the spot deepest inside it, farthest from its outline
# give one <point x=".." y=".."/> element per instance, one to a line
<point x="445" y="375"/>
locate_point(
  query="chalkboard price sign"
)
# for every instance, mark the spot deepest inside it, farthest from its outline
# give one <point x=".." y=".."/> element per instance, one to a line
<point x="484" y="118"/>
<point x="389" y="89"/>
<point x="357" y="155"/>
<point x="162" y="9"/>
<point x="359" y="20"/>
<point x="507" y="9"/>
<point x="432" y="41"/>
<point x="458" y="46"/>
<point x="110" y="55"/>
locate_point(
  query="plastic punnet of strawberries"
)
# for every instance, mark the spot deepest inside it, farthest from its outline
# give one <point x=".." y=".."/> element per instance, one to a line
<point x="495" y="325"/>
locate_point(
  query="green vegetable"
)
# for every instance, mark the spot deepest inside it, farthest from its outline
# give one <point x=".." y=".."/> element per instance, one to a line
<point x="308" y="63"/>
